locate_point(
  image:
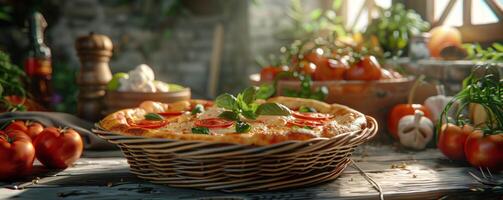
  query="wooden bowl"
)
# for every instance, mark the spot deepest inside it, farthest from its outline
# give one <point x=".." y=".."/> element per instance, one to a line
<point x="115" y="100"/>
<point x="374" y="98"/>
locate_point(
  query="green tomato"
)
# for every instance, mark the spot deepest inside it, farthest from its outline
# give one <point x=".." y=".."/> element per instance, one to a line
<point x="114" y="84"/>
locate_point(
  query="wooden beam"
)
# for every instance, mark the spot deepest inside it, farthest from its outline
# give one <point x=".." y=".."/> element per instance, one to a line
<point x="496" y="8"/>
<point x="446" y="12"/>
<point x="467" y="12"/>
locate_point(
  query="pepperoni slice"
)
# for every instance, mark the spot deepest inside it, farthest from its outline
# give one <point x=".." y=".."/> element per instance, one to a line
<point x="148" y="124"/>
<point x="213" y="123"/>
<point x="312" y="116"/>
<point x="302" y="123"/>
<point x="171" y="114"/>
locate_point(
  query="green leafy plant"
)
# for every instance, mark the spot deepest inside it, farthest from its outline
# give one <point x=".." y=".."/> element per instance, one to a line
<point x="244" y="104"/>
<point x="492" y="53"/>
<point x="484" y="87"/>
<point x="311" y="24"/>
<point x="11" y="83"/>
<point x="305" y="91"/>
<point x="395" y="27"/>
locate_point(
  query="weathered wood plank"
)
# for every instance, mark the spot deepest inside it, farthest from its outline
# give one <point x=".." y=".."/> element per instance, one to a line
<point x="401" y="174"/>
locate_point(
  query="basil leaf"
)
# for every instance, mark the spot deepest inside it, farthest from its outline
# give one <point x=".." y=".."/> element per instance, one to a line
<point x="306" y="109"/>
<point x="201" y="130"/>
<point x="320" y="94"/>
<point x="242" y="127"/>
<point x="249" y="95"/>
<point x="265" y="91"/>
<point x="273" y="109"/>
<point x="197" y="109"/>
<point x="153" y="116"/>
<point x="249" y="114"/>
<point x="227" y="101"/>
<point x="229" y="115"/>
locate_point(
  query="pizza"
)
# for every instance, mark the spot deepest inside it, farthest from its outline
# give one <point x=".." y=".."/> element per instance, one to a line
<point x="238" y="120"/>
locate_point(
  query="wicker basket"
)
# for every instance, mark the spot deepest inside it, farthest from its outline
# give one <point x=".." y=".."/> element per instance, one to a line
<point x="237" y="168"/>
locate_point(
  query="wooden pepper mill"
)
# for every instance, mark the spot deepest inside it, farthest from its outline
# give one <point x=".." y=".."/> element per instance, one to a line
<point x="94" y="52"/>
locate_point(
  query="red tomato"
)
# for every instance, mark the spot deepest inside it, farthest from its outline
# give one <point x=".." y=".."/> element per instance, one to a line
<point x="366" y="69"/>
<point x="58" y="148"/>
<point x="16" y="154"/>
<point x="148" y="124"/>
<point x="400" y="111"/>
<point x="303" y="122"/>
<point x="17" y="125"/>
<point x="270" y="72"/>
<point x="34" y="128"/>
<point x="28" y="103"/>
<point x="485" y="151"/>
<point x="451" y="141"/>
<point x="171" y="114"/>
<point x="390" y="74"/>
<point x="213" y="123"/>
<point x="312" y="116"/>
<point x="333" y="70"/>
<point x="307" y="68"/>
<point x="316" y="57"/>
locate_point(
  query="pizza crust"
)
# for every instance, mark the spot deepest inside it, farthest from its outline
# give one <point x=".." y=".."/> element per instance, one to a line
<point x="345" y="120"/>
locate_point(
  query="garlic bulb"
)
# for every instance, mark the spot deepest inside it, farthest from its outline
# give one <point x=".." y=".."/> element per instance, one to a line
<point x="415" y="131"/>
<point x="436" y="104"/>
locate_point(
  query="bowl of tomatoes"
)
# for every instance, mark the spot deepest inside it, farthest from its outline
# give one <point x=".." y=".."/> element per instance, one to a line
<point x="358" y="82"/>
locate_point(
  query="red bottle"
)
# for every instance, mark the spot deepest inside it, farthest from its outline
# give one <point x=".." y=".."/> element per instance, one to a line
<point x="38" y="62"/>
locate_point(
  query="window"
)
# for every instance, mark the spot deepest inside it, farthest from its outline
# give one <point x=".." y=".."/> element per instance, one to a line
<point x="358" y="13"/>
<point x="478" y="20"/>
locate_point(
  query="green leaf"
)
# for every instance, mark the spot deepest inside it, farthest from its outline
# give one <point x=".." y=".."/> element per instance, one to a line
<point x="242" y="127"/>
<point x="273" y="109"/>
<point x="265" y="91"/>
<point x="197" y="109"/>
<point x="249" y="114"/>
<point x="227" y="101"/>
<point x="315" y="14"/>
<point x="1" y="90"/>
<point x="498" y="46"/>
<point x="336" y="4"/>
<point x="249" y="95"/>
<point x="201" y="130"/>
<point x="229" y="115"/>
<point x="153" y="116"/>
<point x="306" y="109"/>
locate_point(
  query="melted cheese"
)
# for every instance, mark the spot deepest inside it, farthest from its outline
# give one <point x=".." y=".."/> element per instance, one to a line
<point x="212" y="112"/>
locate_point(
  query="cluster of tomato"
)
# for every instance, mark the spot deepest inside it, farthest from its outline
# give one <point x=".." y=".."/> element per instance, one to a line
<point x="466" y="143"/>
<point x="21" y="142"/>
<point x="323" y="67"/>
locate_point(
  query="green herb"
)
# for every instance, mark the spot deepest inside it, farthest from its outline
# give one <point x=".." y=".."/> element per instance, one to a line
<point x="201" y="130"/>
<point x="197" y="109"/>
<point x="484" y="86"/>
<point x="242" y="127"/>
<point x="265" y="91"/>
<point x="394" y="28"/>
<point x="227" y="101"/>
<point x="244" y="104"/>
<point x="229" y="115"/>
<point x="153" y="116"/>
<point x="492" y="53"/>
<point x="305" y="90"/>
<point x="11" y="83"/>
<point x="306" y="109"/>
<point x="273" y="109"/>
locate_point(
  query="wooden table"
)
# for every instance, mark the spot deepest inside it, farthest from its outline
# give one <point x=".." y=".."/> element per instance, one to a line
<point x="401" y="174"/>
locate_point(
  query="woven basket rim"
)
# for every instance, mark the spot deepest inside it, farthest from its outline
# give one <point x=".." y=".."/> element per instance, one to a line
<point x="371" y="124"/>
